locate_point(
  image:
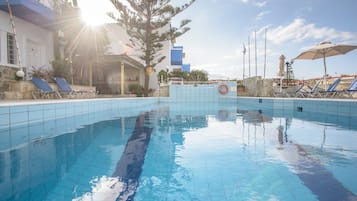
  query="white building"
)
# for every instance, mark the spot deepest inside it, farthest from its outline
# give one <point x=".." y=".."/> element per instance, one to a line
<point x="34" y="35"/>
<point x="35" y="27"/>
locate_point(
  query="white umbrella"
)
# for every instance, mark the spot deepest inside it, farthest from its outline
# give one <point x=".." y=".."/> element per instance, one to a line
<point x="326" y="49"/>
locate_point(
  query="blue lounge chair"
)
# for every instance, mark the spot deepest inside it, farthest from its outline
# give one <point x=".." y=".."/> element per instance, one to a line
<point x="65" y="88"/>
<point x="63" y="85"/>
<point x="352" y="88"/>
<point x="331" y="90"/>
<point x="296" y="93"/>
<point x="299" y="91"/>
<point x="44" y="89"/>
<point x="313" y="90"/>
<point x="289" y="94"/>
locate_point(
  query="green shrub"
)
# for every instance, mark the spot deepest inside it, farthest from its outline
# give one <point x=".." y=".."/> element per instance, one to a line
<point x="61" y="68"/>
<point x="162" y="76"/>
<point x="136" y="89"/>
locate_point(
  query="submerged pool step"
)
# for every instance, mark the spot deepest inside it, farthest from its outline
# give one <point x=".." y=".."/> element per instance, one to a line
<point x="129" y="167"/>
<point x="318" y="179"/>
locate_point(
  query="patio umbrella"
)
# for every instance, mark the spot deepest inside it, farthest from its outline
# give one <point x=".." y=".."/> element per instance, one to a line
<point x="325" y="49"/>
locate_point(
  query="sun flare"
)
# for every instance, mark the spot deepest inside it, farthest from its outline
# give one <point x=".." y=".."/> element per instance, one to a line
<point x="93" y="12"/>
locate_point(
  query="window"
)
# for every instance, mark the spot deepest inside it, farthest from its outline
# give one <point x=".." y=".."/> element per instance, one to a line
<point x="11" y="49"/>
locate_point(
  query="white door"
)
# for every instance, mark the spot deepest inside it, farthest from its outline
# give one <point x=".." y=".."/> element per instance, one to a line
<point x="33" y="55"/>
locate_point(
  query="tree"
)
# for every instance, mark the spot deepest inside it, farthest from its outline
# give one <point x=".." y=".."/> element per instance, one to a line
<point x="198" y="75"/>
<point x="147" y="22"/>
<point x="162" y="76"/>
<point x="194" y="75"/>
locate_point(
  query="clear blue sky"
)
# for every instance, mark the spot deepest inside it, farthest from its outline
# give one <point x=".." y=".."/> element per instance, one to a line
<point x="219" y="29"/>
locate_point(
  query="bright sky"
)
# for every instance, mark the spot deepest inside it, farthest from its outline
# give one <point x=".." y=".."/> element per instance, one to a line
<point x="219" y="28"/>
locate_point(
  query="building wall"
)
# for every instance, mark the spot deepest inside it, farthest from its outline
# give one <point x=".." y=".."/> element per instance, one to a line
<point x="48" y="3"/>
<point x="164" y="65"/>
<point x="35" y="43"/>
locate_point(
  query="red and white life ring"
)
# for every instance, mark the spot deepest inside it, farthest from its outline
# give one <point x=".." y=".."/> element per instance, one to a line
<point x="223" y="89"/>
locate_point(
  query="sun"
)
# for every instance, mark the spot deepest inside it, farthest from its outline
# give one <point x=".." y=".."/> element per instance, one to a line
<point x="93" y="12"/>
<point x="91" y="18"/>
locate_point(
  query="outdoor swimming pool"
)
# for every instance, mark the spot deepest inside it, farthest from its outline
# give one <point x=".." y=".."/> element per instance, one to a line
<point x="236" y="149"/>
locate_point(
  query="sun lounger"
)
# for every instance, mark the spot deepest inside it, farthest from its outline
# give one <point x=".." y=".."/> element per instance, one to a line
<point x="351" y="89"/>
<point x="289" y="92"/>
<point x="331" y="90"/>
<point x="65" y="88"/>
<point x="298" y="91"/>
<point x="44" y="89"/>
<point x="303" y="93"/>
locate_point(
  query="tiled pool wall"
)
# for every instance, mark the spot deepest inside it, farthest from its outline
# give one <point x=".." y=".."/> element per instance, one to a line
<point x="201" y="93"/>
<point x="340" y="112"/>
<point x="340" y="107"/>
<point x="30" y="121"/>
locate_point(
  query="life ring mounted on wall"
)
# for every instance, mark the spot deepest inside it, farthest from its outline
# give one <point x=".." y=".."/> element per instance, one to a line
<point x="223" y="89"/>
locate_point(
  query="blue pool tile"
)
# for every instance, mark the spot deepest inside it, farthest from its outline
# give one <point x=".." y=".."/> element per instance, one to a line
<point x="60" y="105"/>
<point x="344" y="121"/>
<point x="4" y="110"/>
<point x="4" y="127"/>
<point x="36" y="131"/>
<point x="49" y="114"/>
<point x="353" y="111"/>
<point x="35" y="116"/>
<point x="37" y="107"/>
<point x="70" y="110"/>
<point x="48" y="106"/>
<point x="4" y="139"/>
<point x="344" y="109"/>
<point x="49" y="127"/>
<point x="18" y="109"/>
<point x="18" y="118"/>
<point x="4" y="119"/>
<point x="19" y="135"/>
<point x="60" y="113"/>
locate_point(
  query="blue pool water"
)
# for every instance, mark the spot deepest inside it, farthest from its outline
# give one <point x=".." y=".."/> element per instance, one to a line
<point x="179" y="152"/>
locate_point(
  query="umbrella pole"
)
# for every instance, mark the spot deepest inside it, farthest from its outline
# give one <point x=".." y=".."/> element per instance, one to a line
<point x="325" y="72"/>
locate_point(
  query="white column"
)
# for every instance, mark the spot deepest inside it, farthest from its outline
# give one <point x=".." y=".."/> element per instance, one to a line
<point x="90" y="74"/>
<point x="122" y="77"/>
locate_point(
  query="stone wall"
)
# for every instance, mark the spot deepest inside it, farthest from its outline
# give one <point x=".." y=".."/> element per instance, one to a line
<point x="163" y="91"/>
<point x="258" y="87"/>
<point x="17" y="90"/>
<point x="7" y="75"/>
